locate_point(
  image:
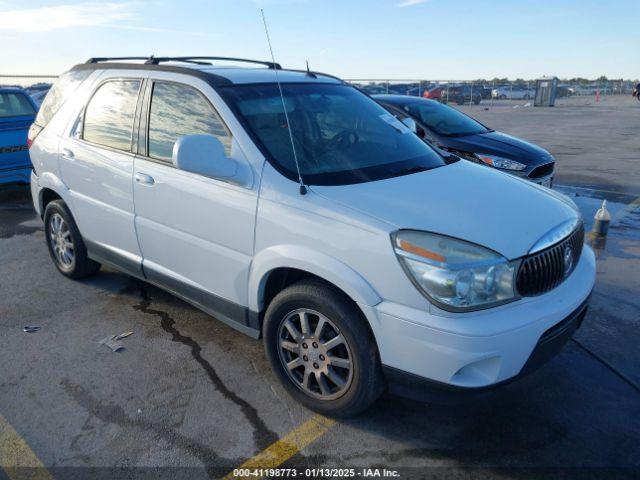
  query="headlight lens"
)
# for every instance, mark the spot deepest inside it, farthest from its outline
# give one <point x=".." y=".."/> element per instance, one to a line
<point x="455" y="274"/>
<point x="500" y="162"/>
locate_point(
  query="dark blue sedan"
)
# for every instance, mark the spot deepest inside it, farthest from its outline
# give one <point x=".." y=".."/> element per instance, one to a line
<point x="17" y="113"/>
<point x="451" y="130"/>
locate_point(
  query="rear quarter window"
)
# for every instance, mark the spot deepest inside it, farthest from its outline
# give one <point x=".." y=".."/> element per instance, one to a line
<point x="66" y="84"/>
<point x="109" y="115"/>
<point x="15" y="104"/>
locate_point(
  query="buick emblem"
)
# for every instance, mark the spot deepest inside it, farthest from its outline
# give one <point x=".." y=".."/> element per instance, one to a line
<point x="568" y="260"/>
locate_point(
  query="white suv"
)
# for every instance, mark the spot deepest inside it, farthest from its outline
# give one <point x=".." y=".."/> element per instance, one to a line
<point x="312" y="218"/>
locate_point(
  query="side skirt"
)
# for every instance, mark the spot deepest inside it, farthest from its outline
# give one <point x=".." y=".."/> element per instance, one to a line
<point x="234" y="315"/>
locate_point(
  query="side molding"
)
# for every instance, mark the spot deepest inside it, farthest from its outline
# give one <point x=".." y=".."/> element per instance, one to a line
<point x="234" y="315"/>
<point x="301" y="258"/>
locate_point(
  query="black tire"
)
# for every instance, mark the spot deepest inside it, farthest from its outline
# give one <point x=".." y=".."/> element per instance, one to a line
<point x="80" y="265"/>
<point x="365" y="377"/>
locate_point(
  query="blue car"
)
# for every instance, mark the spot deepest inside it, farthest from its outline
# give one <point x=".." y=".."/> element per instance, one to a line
<point x="17" y="113"/>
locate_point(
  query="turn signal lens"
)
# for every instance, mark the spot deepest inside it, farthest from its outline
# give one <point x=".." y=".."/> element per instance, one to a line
<point x="421" y="252"/>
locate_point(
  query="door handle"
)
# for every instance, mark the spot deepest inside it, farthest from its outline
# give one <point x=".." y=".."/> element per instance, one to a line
<point x="67" y="154"/>
<point x="144" y="179"/>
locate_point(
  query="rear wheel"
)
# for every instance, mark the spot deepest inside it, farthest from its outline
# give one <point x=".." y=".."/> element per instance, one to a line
<point x="322" y="350"/>
<point x="67" y="250"/>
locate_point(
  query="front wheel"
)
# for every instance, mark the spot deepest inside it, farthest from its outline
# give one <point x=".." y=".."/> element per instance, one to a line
<point x="322" y="350"/>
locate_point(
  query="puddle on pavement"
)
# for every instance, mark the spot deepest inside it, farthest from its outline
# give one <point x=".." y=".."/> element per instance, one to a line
<point x="623" y="240"/>
<point x="15" y="221"/>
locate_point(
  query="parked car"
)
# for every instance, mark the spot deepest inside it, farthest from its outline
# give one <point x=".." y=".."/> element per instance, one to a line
<point x="434" y="93"/>
<point x="514" y="93"/>
<point x="38" y="87"/>
<point x="17" y="112"/>
<point x="373" y="89"/>
<point x="38" y="97"/>
<point x="452" y="130"/>
<point x="563" y="91"/>
<point x="590" y="90"/>
<point x="311" y="217"/>
<point x="461" y="94"/>
<point x="485" y="91"/>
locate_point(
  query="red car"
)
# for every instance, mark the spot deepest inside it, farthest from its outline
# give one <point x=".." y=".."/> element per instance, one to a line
<point x="434" y="93"/>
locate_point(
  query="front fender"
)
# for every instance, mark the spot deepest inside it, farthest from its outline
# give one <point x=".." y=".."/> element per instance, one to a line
<point x="308" y="260"/>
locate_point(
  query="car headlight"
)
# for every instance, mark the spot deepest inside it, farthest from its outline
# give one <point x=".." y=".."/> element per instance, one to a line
<point x="454" y="274"/>
<point x="500" y="162"/>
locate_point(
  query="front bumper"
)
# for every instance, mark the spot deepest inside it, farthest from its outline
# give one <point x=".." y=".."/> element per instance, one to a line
<point x="484" y="348"/>
<point x="549" y="345"/>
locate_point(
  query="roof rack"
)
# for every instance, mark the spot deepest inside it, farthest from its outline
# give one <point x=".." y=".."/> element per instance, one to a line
<point x="155" y="60"/>
<point x="195" y="60"/>
<point x="107" y="59"/>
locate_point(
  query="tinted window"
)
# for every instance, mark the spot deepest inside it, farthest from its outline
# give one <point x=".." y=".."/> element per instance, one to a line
<point x="442" y="119"/>
<point x="108" y="118"/>
<point x="179" y="110"/>
<point x="340" y="135"/>
<point x="66" y="84"/>
<point x="15" y="105"/>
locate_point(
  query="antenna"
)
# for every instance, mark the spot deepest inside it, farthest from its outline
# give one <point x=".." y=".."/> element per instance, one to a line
<point x="303" y="188"/>
<point x="309" y="72"/>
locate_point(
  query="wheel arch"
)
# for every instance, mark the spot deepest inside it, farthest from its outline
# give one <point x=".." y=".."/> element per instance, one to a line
<point x="277" y="267"/>
<point x="51" y="188"/>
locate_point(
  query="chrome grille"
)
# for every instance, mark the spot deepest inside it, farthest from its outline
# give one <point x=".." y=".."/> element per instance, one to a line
<point x="545" y="270"/>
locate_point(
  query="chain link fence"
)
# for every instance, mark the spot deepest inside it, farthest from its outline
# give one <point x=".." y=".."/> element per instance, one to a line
<point x="494" y="92"/>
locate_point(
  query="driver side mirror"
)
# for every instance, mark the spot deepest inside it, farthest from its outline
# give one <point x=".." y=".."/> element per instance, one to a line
<point x="411" y="124"/>
<point x="204" y="155"/>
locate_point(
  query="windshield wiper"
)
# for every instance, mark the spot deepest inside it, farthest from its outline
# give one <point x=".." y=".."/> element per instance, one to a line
<point x="410" y="170"/>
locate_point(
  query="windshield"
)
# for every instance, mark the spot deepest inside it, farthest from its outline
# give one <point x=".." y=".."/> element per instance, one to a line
<point x="444" y="120"/>
<point x="15" y="105"/>
<point x="341" y="136"/>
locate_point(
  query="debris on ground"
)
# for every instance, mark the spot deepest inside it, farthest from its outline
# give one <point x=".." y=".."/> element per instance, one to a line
<point x="113" y="341"/>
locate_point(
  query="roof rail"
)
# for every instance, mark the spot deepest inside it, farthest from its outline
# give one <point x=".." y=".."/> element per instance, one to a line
<point x="107" y="59"/>
<point x="156" y="60"/>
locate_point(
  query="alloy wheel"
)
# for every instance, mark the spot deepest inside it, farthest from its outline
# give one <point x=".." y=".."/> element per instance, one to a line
<point x="315" y="354"/>
<point x="61" y="241"/>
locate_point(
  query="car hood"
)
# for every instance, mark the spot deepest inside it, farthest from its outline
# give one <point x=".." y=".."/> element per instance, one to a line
<point x="501" y="144"/>
<point x="462" y="200"/>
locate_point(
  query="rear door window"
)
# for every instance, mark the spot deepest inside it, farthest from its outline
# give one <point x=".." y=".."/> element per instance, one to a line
<point x="108" y="118"/>
<point x="178" y="110"/>
<point x="64" y="86"/>
<point x="15" y="104"/>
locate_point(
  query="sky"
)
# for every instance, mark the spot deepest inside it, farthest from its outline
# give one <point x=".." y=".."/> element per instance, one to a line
<point x="354" y="39"/>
